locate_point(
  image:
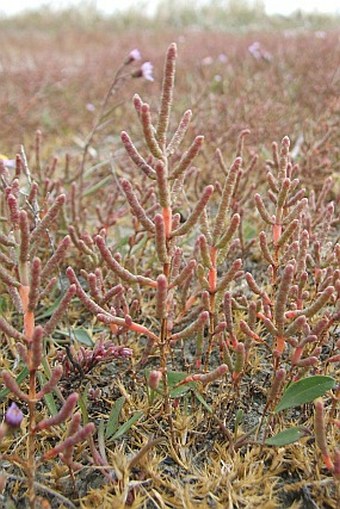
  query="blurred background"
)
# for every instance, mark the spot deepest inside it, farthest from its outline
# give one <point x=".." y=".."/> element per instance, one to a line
<point x="151" y="6"/>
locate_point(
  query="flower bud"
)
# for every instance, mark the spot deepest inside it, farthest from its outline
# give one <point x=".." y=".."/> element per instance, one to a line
<point x="154" y="379"/>
<point x="13" y="416"/>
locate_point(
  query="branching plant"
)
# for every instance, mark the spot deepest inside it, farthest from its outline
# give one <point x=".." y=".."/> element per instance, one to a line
<point x="171" y="279"/>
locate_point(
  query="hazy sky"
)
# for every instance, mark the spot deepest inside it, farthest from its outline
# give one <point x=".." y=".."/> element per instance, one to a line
<point x="109" y="6"/>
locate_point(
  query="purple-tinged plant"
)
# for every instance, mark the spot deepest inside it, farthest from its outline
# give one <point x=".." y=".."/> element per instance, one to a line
<point x="13" y="416"/>
<point x="26" y="232"/>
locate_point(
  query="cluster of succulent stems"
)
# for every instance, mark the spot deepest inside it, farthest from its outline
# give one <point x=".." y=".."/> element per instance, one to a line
<point x="195" y="298"/>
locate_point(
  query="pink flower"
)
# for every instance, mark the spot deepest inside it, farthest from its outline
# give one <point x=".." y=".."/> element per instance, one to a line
<point x="133" y="56"/>
<point x="222" y="57"/>
<point x="207" y="60"/>
<point x="90" y="107"/>
<point x="145" y="71"/>
<point x="9" y="163"/>
<point x="255" y="50"/>
<point x="13" y="416"/>
<point x="258" y="52"/>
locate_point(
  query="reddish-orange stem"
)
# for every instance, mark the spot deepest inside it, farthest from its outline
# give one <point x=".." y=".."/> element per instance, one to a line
<point x="28" y="315"/>
<point x="113" y="328"/>
<point x="277" y="230"/>
<point x="328" y="462"/>
<point x="296" y="355"/>
<point x="213" y="270"/>
<point x="167" y="218"/>
<point x="280" y="344"/>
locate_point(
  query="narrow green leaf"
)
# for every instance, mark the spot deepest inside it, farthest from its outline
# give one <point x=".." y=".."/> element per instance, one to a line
<point x="288" y="436"/>
<point x="127" y="425"/>
<point x="82" y="402"/>
<point x="20" y="378"/>
<point x="182" y="389"/>
<point x="112" y="423"/>
<point x="48" y="398"/>
<point x="83" y="337"/>
<point x="203" y="402"/>
<point x="305" y="391"/>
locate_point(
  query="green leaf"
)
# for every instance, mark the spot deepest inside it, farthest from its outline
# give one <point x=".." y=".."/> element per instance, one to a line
<point x="48" y="398"/>
<point x="288" y="436"/>
<point x="174" y="378"/>
<point x="20" y="378"/>
<point x="182" y="389"/>
<point x="203" y="402"/>
<point x="127" y="425"/>
<point x="82" y="402"/>
<point x="305" y="391"/>
<point x="83" y="337"/>
<point x="112" y="423"/>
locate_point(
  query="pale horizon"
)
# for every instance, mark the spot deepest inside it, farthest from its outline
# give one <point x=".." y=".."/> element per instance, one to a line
<point x="109" y="6"/>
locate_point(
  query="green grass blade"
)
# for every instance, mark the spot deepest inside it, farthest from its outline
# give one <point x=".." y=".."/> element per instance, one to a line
<point x="127" y="425"/>
<point x="203" y="402"/>
<point x="48" y="398"/>
<point x="113" y="422"/>
<point x="82" y="402"/>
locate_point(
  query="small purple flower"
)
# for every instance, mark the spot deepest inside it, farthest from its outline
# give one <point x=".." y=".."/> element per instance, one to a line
<point x="222" y="57"/>
<point x="13" y="416"/>
<point x="255" y="50"/>
<point x="145" y="71"/>
<point x="258" y="52"/>
<point x="207" y="60"/>
<point x="320" y="34"/>
<point x="90" y="107"/>
<point x="135" y="54"/>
